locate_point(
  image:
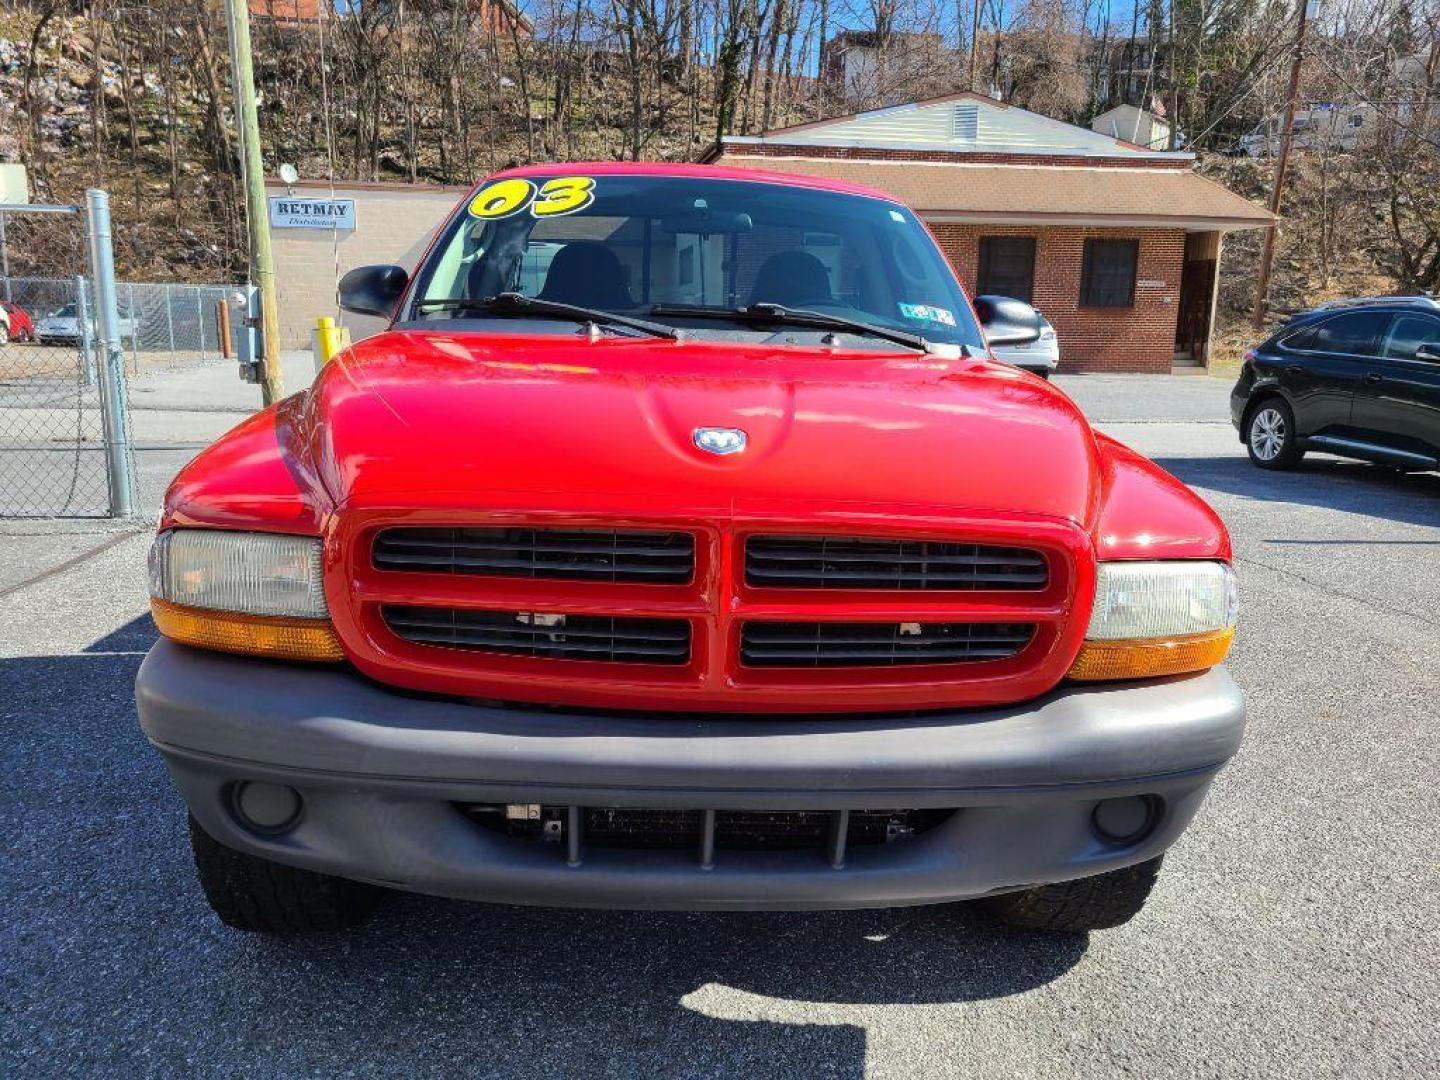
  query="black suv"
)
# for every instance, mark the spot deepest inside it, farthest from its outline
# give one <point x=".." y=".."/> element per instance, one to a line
<point x="1357" y="378"/>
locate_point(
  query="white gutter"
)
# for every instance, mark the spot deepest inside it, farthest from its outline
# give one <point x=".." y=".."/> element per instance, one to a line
<point x="1106" y="221"/>
<point x="800" y="146"/>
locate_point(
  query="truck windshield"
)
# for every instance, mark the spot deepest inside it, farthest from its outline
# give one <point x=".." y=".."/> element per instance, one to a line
<point x="718" y="258"/>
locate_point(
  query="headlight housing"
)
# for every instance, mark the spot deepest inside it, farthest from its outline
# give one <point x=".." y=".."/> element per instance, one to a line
<point x="1158" y="618"/>
<point x="255" y="593"/>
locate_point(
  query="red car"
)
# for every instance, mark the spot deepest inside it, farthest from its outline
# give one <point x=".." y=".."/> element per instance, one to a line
<point x="681" y="545"/>
<point x="15" y="324"/>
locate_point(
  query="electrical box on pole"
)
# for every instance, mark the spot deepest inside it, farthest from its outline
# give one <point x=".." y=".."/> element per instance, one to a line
<point x="244" y="306"/>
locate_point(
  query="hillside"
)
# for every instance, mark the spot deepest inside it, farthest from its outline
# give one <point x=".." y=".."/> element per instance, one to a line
<point x="166" y="147"/>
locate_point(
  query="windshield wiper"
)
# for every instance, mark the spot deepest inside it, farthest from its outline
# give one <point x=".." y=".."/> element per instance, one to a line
<point x="778" y="313"/>
<point x="513" y="303"/>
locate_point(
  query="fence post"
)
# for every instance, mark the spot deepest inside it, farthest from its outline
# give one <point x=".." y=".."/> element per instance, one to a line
<point x="5" y="259"/>
<point x="86" y="324"/>
<point x="112" y="368"/>
<point x="134" y="323"/>
<point x="169" y="316"/>
<point x="200" y="320"/>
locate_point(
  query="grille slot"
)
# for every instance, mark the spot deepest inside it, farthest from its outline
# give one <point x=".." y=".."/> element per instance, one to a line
<point x="823" y="644"/>
<point x="557" y="637"/>
<point x="657" y="558"/>
<point x="824" y="562"/>
<point x="828" y="832"/>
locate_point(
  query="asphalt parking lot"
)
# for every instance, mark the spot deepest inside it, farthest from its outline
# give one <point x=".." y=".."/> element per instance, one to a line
<point x="1293" y="932"/>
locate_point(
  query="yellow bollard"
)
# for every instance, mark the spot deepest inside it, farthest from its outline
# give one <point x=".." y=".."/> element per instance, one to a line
<point x="327" y="338"/>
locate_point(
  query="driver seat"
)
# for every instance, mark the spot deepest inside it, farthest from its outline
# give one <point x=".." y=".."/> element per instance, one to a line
<point x="792" y="279"/>
<point x="588" y="274"/>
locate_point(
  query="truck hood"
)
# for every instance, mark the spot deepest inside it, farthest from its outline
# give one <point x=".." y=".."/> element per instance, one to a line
<point x="417" y="419"/>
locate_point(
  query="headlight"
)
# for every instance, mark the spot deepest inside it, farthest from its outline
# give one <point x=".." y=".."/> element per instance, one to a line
<point x="1158" y="618"/>
<point x="255" y="593"/>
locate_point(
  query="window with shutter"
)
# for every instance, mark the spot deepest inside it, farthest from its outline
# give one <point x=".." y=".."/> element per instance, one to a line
<point x="1007" y="267"/>
<point x="1107" y="277"/>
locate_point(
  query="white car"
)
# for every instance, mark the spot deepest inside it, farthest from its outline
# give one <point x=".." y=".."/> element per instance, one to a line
<point x="62" y="327"/>
<point x="1041" y="356"/>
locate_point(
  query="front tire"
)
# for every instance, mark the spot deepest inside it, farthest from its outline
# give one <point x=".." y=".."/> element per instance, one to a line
<point x="1092" y="903"/>
<point x="255" y="894"/>
<point x="1270" y="436"/>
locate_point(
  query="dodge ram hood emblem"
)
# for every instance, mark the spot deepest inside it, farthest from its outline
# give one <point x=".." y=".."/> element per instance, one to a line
<point x="720" y="440"/>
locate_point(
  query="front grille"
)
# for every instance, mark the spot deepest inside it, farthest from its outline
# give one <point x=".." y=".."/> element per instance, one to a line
<point x="704" y="831"/>
<point x="826" y="644"/>
<point x="657" y="558"/>
<point x="823" y="562"/>
<point x="551" y="636"/>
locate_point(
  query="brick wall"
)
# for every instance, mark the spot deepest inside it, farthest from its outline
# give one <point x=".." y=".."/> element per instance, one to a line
<point x="392" y="225"/>
<point x="1139" y="338"/>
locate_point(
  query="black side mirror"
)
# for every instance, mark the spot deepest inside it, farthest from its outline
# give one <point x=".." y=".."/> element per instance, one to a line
<point x="373" y="290"/>
<point x="1008" y="322"/>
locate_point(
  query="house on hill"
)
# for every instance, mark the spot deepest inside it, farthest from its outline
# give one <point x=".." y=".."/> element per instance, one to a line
<point x="492" y="16"/>
<point x="1134" y="125"/>
<point x="1118" y="245"/>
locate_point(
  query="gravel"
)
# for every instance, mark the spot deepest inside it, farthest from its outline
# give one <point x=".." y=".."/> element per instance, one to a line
<point x="1292" y="932"/>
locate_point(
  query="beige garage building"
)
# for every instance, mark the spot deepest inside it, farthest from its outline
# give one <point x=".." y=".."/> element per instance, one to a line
<point x="392" y="224"/>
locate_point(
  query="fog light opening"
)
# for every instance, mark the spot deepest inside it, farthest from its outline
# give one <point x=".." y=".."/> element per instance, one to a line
<point x="1127" y="821"/>
<point x="268" y="809"/>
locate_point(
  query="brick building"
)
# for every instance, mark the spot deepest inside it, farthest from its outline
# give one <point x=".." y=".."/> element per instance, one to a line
<point x="1117" y="245"/>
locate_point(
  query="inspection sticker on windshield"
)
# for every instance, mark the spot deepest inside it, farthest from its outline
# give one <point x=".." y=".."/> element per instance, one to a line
<point x="559" y="195"/>
<point x="928" y="313"/>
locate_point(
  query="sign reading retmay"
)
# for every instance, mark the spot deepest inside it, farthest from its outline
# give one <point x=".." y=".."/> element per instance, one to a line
<point x="290" y="212"/>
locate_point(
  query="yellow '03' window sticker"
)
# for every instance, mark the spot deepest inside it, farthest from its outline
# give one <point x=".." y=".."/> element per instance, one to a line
<point x="556" y="196"/>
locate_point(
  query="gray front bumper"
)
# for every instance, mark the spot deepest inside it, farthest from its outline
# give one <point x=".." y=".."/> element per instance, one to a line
<point x="381" y="771"/>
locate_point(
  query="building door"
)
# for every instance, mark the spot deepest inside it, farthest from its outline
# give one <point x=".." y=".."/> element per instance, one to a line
<point x="1197" y="295"/>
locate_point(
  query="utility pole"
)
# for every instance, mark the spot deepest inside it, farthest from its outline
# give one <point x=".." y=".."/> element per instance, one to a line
<point x="1282" y="164"/>
<point x="257" y="218"/>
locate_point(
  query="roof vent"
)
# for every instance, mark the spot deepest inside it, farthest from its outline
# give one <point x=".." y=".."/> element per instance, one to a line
<point x="965" y="122"/>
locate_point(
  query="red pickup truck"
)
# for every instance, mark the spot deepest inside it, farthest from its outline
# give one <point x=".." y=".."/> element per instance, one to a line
<point x="680" y="545"/>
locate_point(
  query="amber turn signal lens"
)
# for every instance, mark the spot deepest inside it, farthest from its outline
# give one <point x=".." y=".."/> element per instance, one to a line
<point x="254" y="635"/>
<point x="1146" y="659"/>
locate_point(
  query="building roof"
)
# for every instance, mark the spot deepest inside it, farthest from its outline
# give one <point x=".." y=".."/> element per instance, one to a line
<point x="1035" y="193"/>
<point x="966" y="122"/>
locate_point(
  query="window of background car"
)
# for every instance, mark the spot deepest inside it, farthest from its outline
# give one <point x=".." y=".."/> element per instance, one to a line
<point x="1355" y="333"/>
<point x="1107" y="276"/>
<point x="1299" y="341"/>
<point x="679" y="242"/>
<point x="1408" y="333"/>
<point x="1007" y="267"/>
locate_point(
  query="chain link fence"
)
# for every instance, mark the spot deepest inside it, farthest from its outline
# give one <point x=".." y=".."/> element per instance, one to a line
<point x="52" y="436"/>
<point x="161" y="325"/>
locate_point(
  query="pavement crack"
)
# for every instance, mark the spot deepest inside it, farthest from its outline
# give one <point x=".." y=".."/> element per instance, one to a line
<point x="1331" y="590"/>
<point x="70" y="564"/>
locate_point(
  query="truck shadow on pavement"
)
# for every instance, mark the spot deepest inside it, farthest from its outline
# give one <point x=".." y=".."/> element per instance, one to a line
<point x="1346" y="486"/>
<point x="115" y="960"/>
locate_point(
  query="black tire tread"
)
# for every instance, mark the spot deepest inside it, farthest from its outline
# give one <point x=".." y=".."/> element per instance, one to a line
<point x="1092" y="903"/>
<point x="1290" y="456"/>
<point x="255" y="894"/>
